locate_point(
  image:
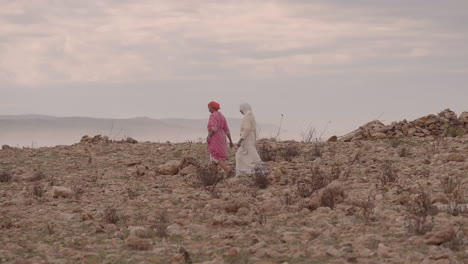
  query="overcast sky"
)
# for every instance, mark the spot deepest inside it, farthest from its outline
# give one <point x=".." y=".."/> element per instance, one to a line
<point x="344" y="62"/>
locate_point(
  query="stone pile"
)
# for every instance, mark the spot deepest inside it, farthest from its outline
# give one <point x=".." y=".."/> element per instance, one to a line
<point x="444" y="124"/>
<point x="98" y="139"/>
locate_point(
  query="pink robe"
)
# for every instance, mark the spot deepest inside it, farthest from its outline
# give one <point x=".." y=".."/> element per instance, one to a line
<point x="217" y="144"/>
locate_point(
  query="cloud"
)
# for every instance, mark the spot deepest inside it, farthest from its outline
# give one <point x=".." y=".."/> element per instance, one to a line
<point x="45" y="41"/>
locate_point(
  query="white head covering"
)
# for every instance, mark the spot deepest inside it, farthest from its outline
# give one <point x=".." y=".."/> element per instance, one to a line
<point x="245" y="108"/>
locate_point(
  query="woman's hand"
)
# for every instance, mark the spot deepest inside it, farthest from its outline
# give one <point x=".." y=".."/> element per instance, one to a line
<point x="239" y="144"/>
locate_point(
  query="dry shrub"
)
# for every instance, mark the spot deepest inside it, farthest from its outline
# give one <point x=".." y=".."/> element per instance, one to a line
<point x="162" y="222"/>
<point x="111" y="215"/>
<point x="404" y="152"/>
<point x="367" y="208"/>
<point x="388" y="173"/>
<point x="317" y="151"/>
<point x="287" y="199"/>
<point x="420" y="214"/>
<point x="186" y="255"/>
<point x="450" y="184"/>
<point x="335" y="172"/>
<point x="395" y="142"/>
<point x="5" y="176"/>
<point x="208" y="177"/>
<point x="39" y="175"/>
<point x="132" y="192"/>
<point x="261" y="176"/>
<point x="457" y="204"/>
<point x="78" y="190"/>
<point x="309" y="135"/>
<point x="459" y="242"/>
<point x="50" y="227"/>
<point x="37" y="190"/>
<point x="289" y="152"/>
<point x="312" y="184"/>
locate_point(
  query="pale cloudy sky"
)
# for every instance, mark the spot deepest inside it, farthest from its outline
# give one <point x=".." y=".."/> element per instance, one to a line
<point x="346" y="62"/>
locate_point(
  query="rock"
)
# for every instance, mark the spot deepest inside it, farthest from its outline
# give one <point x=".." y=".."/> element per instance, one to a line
<point x="333" y="139"/>
<point x="170" y="168"/>
<point x="457" y="157"/>
<point x="232" y="206"/>
<point x="132" y="162"/>
<point x="314" y="203"/>
<point x="405" y="129"/>
<point x="32" y="176"/>
<point x="6" y="147"/>
<point x="60" y="191"/>
<point x="439" y="237"/>
<point x="439" y="198"/>
<point x="464" y="117"/>
<point x="411" y="131"/>
<point x="379" y="135"/>
<point x="243" y="211"/>
<point x="131" y="140"/>
<point x="384" y="251"/>
<point x="190" y="169"/>
<point x="138" y="243"/>
<point x="176" y="229"/>
<point x="331" y="251"/>
<point x="281" y="176"/>
<point x="135" y="230"/>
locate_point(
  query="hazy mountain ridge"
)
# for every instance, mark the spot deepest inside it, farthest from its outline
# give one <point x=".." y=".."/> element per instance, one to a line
<point x="43" y="130"/>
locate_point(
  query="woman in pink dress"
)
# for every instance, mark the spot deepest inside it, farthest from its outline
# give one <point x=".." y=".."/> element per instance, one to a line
<point x="217" y="131"/>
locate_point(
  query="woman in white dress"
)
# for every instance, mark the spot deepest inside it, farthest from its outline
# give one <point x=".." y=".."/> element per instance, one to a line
<point x="247" y="156"/>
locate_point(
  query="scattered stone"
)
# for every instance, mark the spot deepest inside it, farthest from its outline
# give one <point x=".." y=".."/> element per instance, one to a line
<point x="190" y="169"/>
<point x="457" y="157"/>
<point x="169" y="168"/>
<point x="60" y="191"/>
<point x="138" y="243"/>
<point x="439" y="237"/>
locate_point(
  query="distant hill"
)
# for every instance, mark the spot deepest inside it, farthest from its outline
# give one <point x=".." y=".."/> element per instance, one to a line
<point x="42" y="130"/>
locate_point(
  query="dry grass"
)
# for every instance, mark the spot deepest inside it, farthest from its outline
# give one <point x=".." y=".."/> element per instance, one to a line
<point x="5" y="176"/>
<point x="162" y="222"/>
<point x="387" y="173"/>
<point x="450" y="184"/>
<point x="208" y="177"/>
<point x="261" y="176"/>
<point x="404" y="152"/>
<point x="111" y="216"/>
<point x="133" y="192"/>
<point x="37" y="190"/>
<point x="289" y="152"/>
<point x="306" y="187"/>
<point x="420" y="214"/>
<point x="78" y="190"/>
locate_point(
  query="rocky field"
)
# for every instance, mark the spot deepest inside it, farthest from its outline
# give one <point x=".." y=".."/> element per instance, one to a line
<point x="397" y="200"/>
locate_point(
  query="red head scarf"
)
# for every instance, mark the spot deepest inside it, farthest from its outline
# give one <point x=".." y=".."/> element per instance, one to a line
<point x="215" y="105"/>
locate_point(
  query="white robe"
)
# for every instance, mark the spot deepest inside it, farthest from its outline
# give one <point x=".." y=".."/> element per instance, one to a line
<point x="247" y="156"/>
